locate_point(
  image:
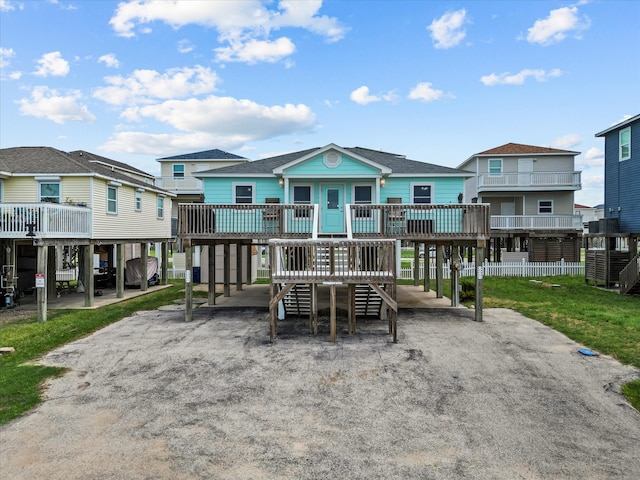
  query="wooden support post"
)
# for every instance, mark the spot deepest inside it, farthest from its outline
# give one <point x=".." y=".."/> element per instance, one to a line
<point x="273" y="313"/>
<point x="89" y="285"/>
<point x="314" y="307"/>
<point x="164" y="249"/>
<point x="41" y="266"/>
<point x="51" y="273"/>
<point x="439" y="264"/>
<point x="119" y="270"/>
<point x="212" y="275"/>
<point x="227" y="269"/>
<point x="479" y="276"/>
<point x="247" y="277"/>
<point x="426" y="263"/>
<point x="351" y="315"/>
<point x="332" y="315"/>
<point x="455" y="276"/>
<point x="144" y="254"/>
<point x="416" y="264"/>
<point x="239" y="267"/>
<point x="188" y="283"/>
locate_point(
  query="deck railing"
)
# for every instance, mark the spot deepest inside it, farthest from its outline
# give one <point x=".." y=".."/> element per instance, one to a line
<point x="530" y="180"/>
<point x="332" y="261"/>
<point x="536" y="222"/>
<point x="44" y="220"/>
<point x="419" y="221"/>
<point x="211" y="221"/>
<point x="185" y="184"/>
<point x="630" y="275"/>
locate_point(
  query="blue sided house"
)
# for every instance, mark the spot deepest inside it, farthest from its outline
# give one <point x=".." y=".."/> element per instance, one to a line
<point x="334" y="216"/>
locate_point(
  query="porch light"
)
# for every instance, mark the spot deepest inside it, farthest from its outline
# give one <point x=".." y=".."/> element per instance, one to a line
<point x="31" y="227"/>
<point x="382" y="182"/>
<point x="281" y="182"/>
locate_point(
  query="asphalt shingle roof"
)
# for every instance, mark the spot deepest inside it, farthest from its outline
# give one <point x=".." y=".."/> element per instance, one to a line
<point x="520" y="149"/>
<point x="397" y="163"/>
<point x="214" y="154"/>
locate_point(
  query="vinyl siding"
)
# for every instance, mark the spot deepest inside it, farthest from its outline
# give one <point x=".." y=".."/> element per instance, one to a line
<point x="622" y="181"/>
<point x="20" y="189"/>
<point x="315" y="167"/>
<point x="445" y="190"/>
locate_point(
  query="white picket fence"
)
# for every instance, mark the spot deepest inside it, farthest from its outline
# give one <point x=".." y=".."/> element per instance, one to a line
<point x="496" y="269"/>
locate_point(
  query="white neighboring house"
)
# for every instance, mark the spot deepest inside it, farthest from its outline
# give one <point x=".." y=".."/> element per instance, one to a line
<point x="588" y="214"/>
<point x="531" y="192"/>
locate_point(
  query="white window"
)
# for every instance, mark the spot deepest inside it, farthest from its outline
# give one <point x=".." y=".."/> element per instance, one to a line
<point x="302" y="196"/>
<point x="49" y="192"/>
<point x="545" y="206"/>
<point x="495" y="166"/>
<point x="160" y="204"/>
<point x="178" y="171"/>
<point x="112" y="199"/>
<point x="244" y="193"/>
<point x="625" y="144"/>
<point x="362" y="195"/>
<point x="421" y="193"/>
<point x="138" y="205"/>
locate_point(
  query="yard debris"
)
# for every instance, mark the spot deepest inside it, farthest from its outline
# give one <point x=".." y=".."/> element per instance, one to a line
<point x="587" y="352"/>
<point x="5" y="350"/>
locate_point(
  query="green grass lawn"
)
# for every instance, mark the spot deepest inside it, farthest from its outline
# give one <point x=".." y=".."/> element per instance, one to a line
<point x="21" y="380"/>
<point x="602" y="321"/>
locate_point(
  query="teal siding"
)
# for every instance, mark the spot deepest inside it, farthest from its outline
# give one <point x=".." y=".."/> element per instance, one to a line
<point x="445" y="190"/>
<point x="316" y="166"/>
<point x="220" y="190"/>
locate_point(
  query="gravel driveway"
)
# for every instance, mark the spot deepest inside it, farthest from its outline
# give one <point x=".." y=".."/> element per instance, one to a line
<point x="152" y="397"/>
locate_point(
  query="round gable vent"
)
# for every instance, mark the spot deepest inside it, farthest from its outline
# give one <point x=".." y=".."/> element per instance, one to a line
<point x="332" y="159"/>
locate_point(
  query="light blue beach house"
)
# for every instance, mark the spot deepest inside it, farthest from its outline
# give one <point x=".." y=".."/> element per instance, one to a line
<point x="332" y="216"/>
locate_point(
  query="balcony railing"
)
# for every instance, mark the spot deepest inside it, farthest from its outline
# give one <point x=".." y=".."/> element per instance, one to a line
<point x="336" y="260"/>
<point x="536" y="222"/>
<point x="44" y="220"/>
<point x="419" y="221"/>
<point x="186" y="184"/>
<point x="211" y="221"/>
<point x="539" y="180"/>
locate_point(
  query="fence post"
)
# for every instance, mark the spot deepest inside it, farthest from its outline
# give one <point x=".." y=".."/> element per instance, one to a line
<point x="562" y="266"/>
<point x="523" y="268"/>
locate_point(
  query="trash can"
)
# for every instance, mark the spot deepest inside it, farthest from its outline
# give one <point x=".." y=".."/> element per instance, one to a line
<point x="196" y="274"/>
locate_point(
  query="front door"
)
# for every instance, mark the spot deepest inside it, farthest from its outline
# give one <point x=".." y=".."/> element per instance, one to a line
<point x="332" y="209"/>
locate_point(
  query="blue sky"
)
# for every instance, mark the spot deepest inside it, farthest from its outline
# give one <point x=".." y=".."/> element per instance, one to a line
<point x="437" y="81"/>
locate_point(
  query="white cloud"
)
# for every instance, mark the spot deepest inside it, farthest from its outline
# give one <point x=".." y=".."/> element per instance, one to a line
<point x="52" y="63"/>
<point x="227" y="115"/>
<point x="567" y="141"/>
<point x="519" y="78"/>
<point x="185" y="46"/>
<point x="557" y="26"/>
<point x="594" y="157"/>
<point x="222" y="121"/>
<point x="49" y="104"/>
<point x="447" y="31"/>
<point x="5" y="54"/>
<point x="7" y="6"/>
<point x="109" y="60"/>
<point x="361" y="95"/>
<point x="254" y="51"/>
<point x="142" y="86"/>
<point x="423" y="91"/>
<point x="238" y="23"/>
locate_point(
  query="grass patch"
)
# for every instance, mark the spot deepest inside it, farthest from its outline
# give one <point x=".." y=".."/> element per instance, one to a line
<point x="603" y="321"/>
<point x="21" y="382"/>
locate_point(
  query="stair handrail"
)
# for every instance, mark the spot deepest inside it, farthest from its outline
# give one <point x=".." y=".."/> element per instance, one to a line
<point x="630" y="275"/>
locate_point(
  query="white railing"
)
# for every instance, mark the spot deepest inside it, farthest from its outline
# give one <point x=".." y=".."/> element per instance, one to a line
<point x="495" y="269"/>
<point x="44" y="220"/>
<point x="530" y="179"/>
<point x="536" y="222"/>
<point x="190" y="184"/>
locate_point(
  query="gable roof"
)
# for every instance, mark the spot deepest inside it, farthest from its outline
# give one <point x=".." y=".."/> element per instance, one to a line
<point x="92" y="157"/>
<point x="398" y="164"/>
<point x="32" y="161"/>
<point x="521" y="149"/>
<point x="214" y="154"/>
<point x="617" y="126"/>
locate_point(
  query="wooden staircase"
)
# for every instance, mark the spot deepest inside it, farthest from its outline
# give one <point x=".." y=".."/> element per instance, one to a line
<point x="368" y="302"/>
<point x="630" y="277"/>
